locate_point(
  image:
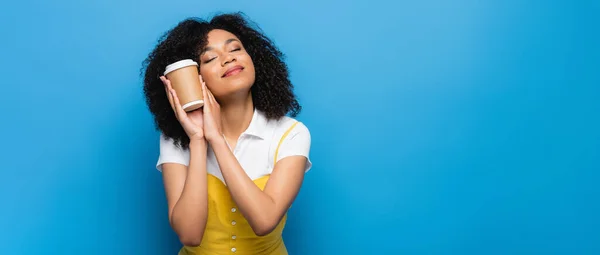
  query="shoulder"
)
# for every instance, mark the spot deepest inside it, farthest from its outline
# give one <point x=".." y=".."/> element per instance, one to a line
<point x="291" y="137"/>
<point x="289" y="127"/>
<point x="170" y="152"/>
<point x="168" y="144"/>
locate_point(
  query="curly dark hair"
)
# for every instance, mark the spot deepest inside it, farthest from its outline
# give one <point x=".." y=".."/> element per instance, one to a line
<point x="272" y="91"/>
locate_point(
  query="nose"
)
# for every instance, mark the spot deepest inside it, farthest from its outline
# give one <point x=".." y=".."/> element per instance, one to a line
<point x="228" y="59"/>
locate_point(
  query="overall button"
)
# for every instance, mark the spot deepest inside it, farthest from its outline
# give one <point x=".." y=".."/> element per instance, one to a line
<point x="233" y="209"/>
<point x="233" y="237"/>
<point x="233" y="249"/>
<point x="233" y="222"/>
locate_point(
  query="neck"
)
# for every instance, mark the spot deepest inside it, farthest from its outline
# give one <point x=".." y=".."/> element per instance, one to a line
<point x="236" y="117"/>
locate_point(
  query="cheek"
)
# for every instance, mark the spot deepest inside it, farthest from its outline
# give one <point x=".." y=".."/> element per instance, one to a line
<point x="208" y="75"/>
<point x="251" y="63"/>
<point x="248" y="59"/>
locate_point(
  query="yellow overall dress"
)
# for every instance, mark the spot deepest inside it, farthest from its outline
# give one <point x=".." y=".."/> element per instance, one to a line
<point x="228" y="232"/>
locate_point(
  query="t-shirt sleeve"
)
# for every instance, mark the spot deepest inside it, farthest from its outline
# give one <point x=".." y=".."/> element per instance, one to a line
<point x="169" y="153"/>
<point x="297" y="143"/>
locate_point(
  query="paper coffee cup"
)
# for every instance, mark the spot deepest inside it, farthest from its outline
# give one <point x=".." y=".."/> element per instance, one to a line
<point x="184" y="79"/>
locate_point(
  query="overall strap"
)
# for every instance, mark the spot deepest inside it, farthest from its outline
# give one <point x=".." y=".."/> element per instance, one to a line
<point x="287" y="132"/>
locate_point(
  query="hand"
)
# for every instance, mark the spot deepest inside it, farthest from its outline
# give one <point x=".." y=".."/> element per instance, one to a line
<point x="212" y="115"/>
<point x="192" y="122"/>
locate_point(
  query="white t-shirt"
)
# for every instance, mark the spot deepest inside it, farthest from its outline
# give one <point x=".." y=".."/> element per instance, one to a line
<point x="255" y="149"/>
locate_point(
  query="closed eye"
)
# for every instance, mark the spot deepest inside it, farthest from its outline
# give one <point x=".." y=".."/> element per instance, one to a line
<point x="236" y="49"/>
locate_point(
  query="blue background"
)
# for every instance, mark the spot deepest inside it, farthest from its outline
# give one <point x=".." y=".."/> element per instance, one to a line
<point x="439" y="127"/>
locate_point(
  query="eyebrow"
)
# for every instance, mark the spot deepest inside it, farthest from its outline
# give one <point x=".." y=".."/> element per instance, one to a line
<point x="208" y="48"/>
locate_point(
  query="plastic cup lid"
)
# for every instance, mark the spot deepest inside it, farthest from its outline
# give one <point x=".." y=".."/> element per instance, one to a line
<point x="180" y="64"/>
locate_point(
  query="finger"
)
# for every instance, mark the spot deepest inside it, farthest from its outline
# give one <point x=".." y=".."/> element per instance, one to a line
<point x="212" y="98"/>
<point x="167" y="84"/>
<point x="205" y="97"/>
<point x="205" y="89"/>
<point x="208" y="94"/>
<point x="170" y="97"/>
<point x="178" y="109"/>
<point x="163" y="79"/>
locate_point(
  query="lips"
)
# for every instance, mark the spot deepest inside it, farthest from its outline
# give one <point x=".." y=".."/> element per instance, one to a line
<point x="232" y="71"/>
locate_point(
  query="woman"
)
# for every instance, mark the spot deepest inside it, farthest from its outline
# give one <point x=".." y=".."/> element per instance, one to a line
<point x="233" y="168"/>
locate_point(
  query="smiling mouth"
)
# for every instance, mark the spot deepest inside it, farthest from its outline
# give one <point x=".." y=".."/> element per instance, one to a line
<point x="233" y="71"/>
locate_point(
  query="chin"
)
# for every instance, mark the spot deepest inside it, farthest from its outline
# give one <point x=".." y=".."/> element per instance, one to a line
<point x="240" y="82"/>
<point x="237" y="84"/>
<point x="236" y="87"/>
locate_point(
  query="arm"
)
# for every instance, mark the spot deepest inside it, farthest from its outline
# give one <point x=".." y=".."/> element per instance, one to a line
<point x="262" y="209"/>
<point x="186" y="192"/>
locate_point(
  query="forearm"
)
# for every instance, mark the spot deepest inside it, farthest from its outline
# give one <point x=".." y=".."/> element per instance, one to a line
<point x="191" y="210"/>
<point x="257" y="206"/>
